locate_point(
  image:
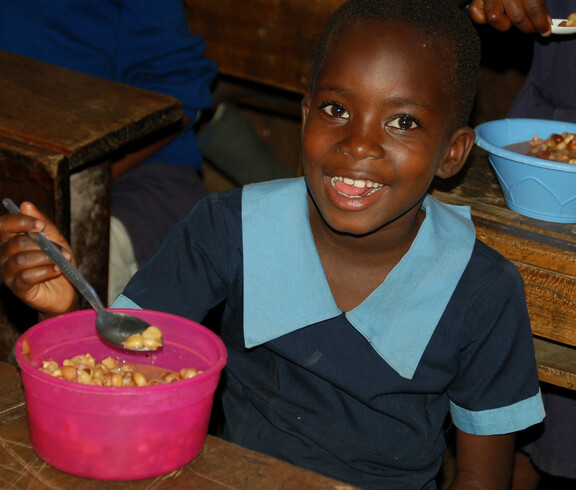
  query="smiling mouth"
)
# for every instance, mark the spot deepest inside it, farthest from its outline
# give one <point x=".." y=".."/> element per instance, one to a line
<point x="353" y="188"/>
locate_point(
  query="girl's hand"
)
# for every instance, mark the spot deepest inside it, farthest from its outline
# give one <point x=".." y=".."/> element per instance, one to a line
<point x="28" y="271"/>
<point x="526" y="15"/>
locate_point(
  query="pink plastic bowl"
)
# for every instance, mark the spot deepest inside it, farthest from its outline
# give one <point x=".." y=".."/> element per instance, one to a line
<point x="119" y="433"/>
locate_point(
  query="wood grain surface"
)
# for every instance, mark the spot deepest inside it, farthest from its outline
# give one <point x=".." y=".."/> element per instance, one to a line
<point x="267" y="41"/>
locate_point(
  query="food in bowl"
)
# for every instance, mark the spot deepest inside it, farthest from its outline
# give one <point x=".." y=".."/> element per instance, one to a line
<point x="127" y="433"/>
<point x="111" y="372"/>
<point x="569" y="22"/>
<point x="535" y="187"/>
<point x="149" y="339"/>
<point x="556" y="147"/>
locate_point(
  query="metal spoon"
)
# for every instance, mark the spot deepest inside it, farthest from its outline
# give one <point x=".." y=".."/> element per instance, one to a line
<point x="112" y="326"/>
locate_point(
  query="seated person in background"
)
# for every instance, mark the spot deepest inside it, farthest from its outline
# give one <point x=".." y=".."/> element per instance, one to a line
<point x="550" y="89"/>
<point x="549" y="92"/>
<point x="358" y="311"/>
<point x="146" y="44"/>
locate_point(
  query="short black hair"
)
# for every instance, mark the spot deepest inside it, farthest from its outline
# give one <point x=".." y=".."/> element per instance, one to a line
<point x="448" y="26"/>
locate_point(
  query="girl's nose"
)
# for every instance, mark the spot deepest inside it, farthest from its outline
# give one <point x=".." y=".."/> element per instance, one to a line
<point x="362" y="142"/>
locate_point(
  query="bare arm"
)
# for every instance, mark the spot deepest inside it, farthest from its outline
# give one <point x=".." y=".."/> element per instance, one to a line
<point x="483" y="462"/>
<point x="141" y="152"/>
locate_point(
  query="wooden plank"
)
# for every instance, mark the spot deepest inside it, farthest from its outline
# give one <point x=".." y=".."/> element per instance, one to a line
<point x="266" y="41"/>
<point x="79" y="204"/>
<point x="556" y="363"/>
<point x="236" y="467"/>
<point x="80" y="116"/>
<point x="59" y="129"/>
<point x="37" y="174"/>
<point x="90" y="205"/>
<point x="551" y="302"/>
<point x="526" y="245"/>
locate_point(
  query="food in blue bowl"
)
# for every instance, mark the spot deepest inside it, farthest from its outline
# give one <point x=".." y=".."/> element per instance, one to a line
<point x="535" y="187"/>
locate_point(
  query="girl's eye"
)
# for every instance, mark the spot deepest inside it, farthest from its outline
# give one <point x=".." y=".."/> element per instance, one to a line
<point x="404" y="123"/>
<point x="335" y="110"/>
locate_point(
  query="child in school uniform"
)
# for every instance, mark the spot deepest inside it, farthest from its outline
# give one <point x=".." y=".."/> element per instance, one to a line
<point x="358" y="311"/>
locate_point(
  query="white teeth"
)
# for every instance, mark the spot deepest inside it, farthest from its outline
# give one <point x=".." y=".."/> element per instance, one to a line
<point x="360" y="184"/>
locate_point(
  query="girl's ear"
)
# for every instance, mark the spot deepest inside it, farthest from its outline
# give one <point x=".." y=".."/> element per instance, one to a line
<point x="455" y="157"/>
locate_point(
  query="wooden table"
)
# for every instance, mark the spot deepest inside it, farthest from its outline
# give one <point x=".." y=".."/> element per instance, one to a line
<point x="59" y="129"/>
<point x="220" y="465"/>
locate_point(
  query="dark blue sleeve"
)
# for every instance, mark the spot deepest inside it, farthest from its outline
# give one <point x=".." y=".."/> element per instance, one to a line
<point x="197" y="266"/>
<point x="497" y="390"/>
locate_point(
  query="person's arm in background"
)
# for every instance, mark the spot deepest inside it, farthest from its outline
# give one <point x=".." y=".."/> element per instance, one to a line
<point x="141" y="151"/>
<point x="526" y="15"/>
<point x="157" y="51"/>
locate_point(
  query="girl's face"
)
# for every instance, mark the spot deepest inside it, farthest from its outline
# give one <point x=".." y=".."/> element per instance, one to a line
<point x="376" y="131"/>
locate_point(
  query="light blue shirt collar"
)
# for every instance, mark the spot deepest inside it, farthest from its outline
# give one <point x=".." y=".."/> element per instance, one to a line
<point x="285" y="287"/>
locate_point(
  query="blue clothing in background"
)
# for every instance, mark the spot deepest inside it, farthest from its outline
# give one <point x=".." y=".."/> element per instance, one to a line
<point x="144" y="43"/>
<point x="549" y="91"/>
<point x="321" y="396"/>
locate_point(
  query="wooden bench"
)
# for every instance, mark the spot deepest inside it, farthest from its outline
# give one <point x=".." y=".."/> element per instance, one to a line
<point x="272" y="42"/>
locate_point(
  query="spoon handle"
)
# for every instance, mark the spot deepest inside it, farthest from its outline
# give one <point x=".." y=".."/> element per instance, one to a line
<point x="73" y="274"/>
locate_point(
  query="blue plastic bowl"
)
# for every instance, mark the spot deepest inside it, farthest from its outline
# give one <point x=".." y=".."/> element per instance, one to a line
<point x="534" y="187"/>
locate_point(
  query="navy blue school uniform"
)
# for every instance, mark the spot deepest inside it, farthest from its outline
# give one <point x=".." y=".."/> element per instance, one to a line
<point x="361" y="396"/>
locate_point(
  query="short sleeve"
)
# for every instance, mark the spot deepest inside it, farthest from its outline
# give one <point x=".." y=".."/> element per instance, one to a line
<point x="189" y="275"/>
<point x="497" y="389"/>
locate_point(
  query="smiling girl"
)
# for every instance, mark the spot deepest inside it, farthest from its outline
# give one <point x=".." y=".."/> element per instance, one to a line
<point x="358" y="311"/>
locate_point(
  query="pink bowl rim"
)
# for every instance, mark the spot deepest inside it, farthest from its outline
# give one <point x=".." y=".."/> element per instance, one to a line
<point x="206" y="375"/>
